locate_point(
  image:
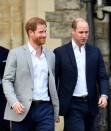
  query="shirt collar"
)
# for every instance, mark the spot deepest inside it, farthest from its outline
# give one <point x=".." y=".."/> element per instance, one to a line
<point x="32" y="50"/>
<point x="74" y="45"/>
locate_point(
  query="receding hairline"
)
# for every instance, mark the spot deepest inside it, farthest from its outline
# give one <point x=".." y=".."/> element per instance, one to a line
<point x="76" y="21"/>
<point x="80" y="20"/>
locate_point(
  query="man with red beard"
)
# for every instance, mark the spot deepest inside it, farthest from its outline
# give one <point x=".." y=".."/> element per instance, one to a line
<point x="28" y="82"/>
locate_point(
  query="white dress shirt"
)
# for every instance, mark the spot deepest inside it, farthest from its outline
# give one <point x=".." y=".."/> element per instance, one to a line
<point x="80" y="56"/>
<point x="40" y="75"/>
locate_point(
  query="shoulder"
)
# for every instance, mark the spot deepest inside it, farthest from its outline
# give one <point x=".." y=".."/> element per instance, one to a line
<point x="15" y="53"/>
<point x="62" y="48"/>
<point x="49" y="53"/>
<point x="18" y="49"/>
<point x="4" y="50"/>
<point x="92" y="48"/>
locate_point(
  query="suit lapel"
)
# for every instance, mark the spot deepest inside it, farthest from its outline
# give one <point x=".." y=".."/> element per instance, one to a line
<point x="51" y="83"/>
<point x="47" y="58"/>
<point x="70" y="51"/>
<point x="88" y="61"/>
<point x="28" y="57"/>
<point x="87" y="55"/>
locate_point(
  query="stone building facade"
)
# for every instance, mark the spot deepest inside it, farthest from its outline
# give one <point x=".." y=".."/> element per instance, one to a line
<point x="59" y="15"/>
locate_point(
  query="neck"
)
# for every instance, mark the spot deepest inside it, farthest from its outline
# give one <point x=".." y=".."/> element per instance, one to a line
<point x="38" y="49"/>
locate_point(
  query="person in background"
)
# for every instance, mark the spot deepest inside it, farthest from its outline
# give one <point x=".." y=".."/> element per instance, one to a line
<point x="80" y="74"/>
<point x="29" y="84"/>
<point x="4" y="124"/>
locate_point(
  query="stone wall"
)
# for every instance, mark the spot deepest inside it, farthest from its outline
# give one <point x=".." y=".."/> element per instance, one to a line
<point x="10" y="23"/>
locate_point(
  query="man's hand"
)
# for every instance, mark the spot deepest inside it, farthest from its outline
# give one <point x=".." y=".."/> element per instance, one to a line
<point x="58" y="120"/>
<point x="18" y="108"/>
<point x="102" y="102"/>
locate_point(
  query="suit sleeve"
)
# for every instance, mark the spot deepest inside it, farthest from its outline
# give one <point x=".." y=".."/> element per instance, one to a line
<point x="9" y="78"/>
<point x="102" y="76"/>
<point x="57" y="69"/>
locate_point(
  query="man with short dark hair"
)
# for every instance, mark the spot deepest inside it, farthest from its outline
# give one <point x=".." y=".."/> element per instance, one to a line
<point x="79" y="68"/>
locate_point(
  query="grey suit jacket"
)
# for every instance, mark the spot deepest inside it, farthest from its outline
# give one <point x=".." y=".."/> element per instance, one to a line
<point x="18" y="81"/>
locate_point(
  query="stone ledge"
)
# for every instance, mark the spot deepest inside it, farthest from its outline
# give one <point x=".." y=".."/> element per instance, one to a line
<point x="67" y="4"/>
<point x="60" y="30"/>
<point x="54" y="16"/>
<point x="68" y="16"/>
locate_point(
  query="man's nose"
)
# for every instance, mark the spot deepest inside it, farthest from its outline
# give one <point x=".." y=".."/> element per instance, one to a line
<point x="85" y="34"/>
<point x="44" y="34"/>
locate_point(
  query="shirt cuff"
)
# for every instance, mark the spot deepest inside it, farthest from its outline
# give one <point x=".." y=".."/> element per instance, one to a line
<point x="14" y="104"/>
<point x="105" y="96"/>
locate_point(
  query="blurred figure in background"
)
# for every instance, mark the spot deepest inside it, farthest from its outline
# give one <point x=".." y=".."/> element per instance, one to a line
<point x="4" y="124"/>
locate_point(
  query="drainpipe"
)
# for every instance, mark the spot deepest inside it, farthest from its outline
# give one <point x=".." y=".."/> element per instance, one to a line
<point x="90" y="19"/>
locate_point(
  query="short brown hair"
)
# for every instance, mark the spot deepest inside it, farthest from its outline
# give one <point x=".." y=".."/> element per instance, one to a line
<point x="32" y="23"/>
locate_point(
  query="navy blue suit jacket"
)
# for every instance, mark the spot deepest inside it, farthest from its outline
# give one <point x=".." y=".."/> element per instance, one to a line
<point x="3" y="57"/>
<point x="4" y="125"/>
<point x="66" y="76"/>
